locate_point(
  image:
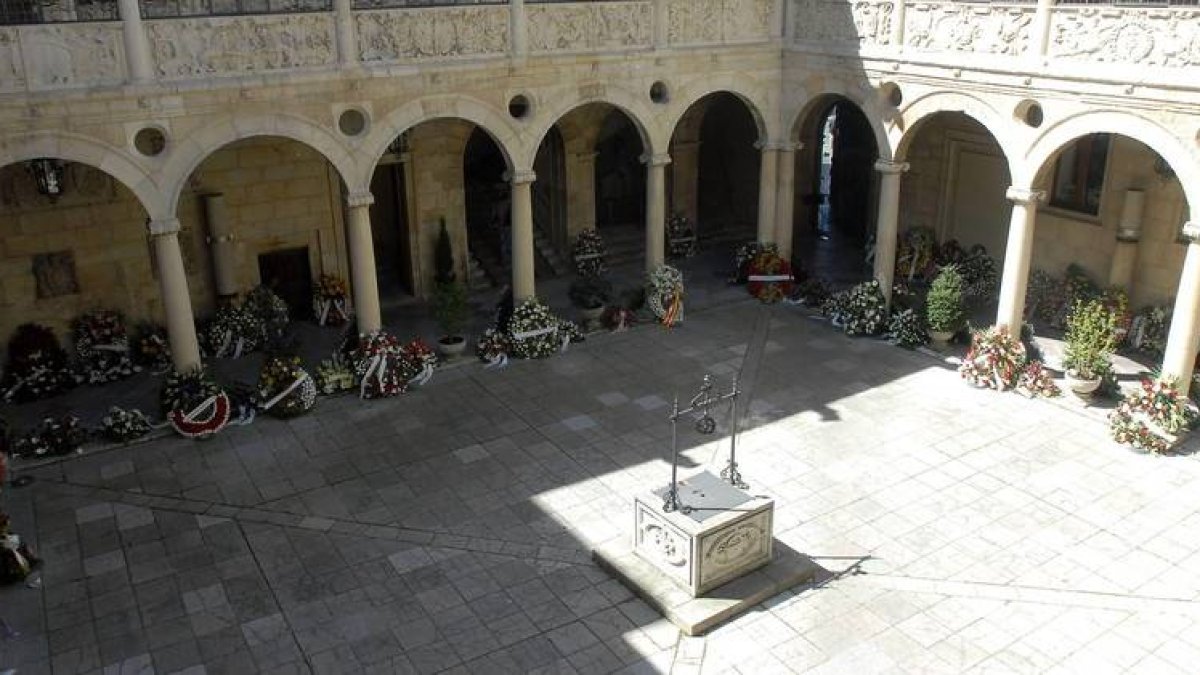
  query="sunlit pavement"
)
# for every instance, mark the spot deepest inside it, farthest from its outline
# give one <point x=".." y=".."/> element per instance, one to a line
<point x="450" y="529"/>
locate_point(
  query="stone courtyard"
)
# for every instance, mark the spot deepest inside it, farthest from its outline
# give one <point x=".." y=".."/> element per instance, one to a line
<point x="450" y="530"/>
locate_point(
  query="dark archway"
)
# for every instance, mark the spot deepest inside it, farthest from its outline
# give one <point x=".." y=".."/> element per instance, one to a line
<point x="727" y="170"/>
<point x="488" y="207"/>
<point x="620" y="175"/>
<point x="550" y="192"/>
<point x="390" y="230"/>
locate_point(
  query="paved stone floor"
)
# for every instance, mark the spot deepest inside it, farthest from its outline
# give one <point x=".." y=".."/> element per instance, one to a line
<point x="449" y="530"/>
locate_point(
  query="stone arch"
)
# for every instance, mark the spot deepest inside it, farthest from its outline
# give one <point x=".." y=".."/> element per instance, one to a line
<point x="913" y="117"/>
<point x="1056" y="137"/>
<point x="191" y="151"/>
<point x="496" y="124"/>
<point x="618" y="98"/>
<point x="83" y="150"/>
<point x="689" y="95"/>
<point x="827" y="98"/>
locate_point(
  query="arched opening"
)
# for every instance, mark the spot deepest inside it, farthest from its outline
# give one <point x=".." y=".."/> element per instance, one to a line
<point x="1110" y="226"/>
<point x="488" y="211"/>
<point x="264" y="210"/>
<point x="953" y="208"/>
<point x="726" y="168"/>
<point x="834" y="219"/>
<point x="73" y="239"/>
<point x="549" y="194"/>
<point x="620" y="178"/>
<point x="390" y="231"/>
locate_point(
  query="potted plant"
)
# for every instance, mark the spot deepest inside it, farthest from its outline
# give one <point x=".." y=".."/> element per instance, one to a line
<point x="1090" y="341"/>
<point x="450" y="309"/>
<point x="591" y="294"/>
<point x="944" y="305"/>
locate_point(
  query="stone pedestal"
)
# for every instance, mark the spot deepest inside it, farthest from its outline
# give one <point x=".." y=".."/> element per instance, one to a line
<point x="725" y="534"/>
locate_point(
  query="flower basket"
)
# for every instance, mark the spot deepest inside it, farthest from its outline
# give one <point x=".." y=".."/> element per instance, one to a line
<point x="285" y="389"/>
<point x="770" y="277"/>
<point x="330" y="304"/>
<point x="664" y="295"/>
<point x="589" y="253"/>
<point x="379" y="367"/>
<point x="534" y="331"/>
<point x="194" y="405"/>
<point x="37" y="366"/>
<point x="103" y="347"/>
<point x="1153" y="417"/>
<point x="122" y="426"/>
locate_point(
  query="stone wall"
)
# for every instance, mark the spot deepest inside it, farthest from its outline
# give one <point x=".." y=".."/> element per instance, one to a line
<point x="436" y="151"/>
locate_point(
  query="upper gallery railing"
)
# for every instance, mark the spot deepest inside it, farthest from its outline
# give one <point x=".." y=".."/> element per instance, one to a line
<point x="56" y="44"/>
<point x="1077" y="39"/>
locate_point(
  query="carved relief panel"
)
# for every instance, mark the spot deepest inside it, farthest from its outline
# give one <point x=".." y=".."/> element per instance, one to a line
<point x="588" y="27"/>
<point x="1159" y="37"/>
<point x="718" y="21"/>
<point x="185" y="48"/>
<point x="75" y="54"/>
<point x="953" y="27"/>
<point x="399" y="35"/>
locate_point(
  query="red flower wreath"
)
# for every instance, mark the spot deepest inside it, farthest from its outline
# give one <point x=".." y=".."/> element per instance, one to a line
<point x="770" y="278"/>
<point x="207" y="419"/>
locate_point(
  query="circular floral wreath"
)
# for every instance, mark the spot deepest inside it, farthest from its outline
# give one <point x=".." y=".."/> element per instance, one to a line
<point x="285" y="389"/>
<point x="194" y="404"/>
<point x="770" y="278"/>
<point x="234" y="332"/>
<point x="103" y="347"/>
<point x="1152" y="417"/>
<point x="492" y="346"/>
<point x="664" y="295"/>
<point x="534" y="331"/>
<point x="995" y="361"/>
<point x="588" y="254"/>
<point x="379" y="365"/>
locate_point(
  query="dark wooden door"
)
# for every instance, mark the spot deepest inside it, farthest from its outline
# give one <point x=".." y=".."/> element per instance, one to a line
<point x="288" y="273"/>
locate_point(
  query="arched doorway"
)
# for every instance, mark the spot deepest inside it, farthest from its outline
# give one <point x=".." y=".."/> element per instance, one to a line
<point x="834" y="223"/>
<point x="549" y="194"/>
<point x="390" y="231"/>
<point x="727" y="169"/>
<point x="619" y="185"/>
<point x="488" y="210"/>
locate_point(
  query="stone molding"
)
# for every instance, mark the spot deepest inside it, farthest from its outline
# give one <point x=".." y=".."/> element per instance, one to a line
<point x="521" y="177"/>
<point x="356" y="200"/>
<point x="1024" y="196"/>
<point x="1190" y="232"/>
<point x="888" y="167"/>
<point x="163" y="227"/>
<point x="657" y="159"/>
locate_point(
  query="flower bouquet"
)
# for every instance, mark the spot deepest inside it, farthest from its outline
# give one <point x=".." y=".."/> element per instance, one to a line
<point x="334" y="375"/>
<point x="906" y="329"/>
<point x="770" y="277"/>
<point x="492" y="347"/>
<point x="151" y="349"/>
<point x="534" y="331"/>
<point x="103" y="347"/>
<point x="37" y="366"/>
<point x="285" y="389"/>
<point x="744" y="255"/>
<point x="57" y="436"/>
<point x="681" y="237"/>
<point x="378" y="364"/>
<point x="419" y="361"/>
<point x="194" y="404"/>
<point x="588" y="254"/>
<point x="865" y="311"/>
<point x="122" y="426"/>
<point x="1152" y="417"/>
<point x="1036" y="381"/>
<point x="995" y="361"/>
<point x="664" y="295"/>
<point x="330" y="301"/>
<point x="270" y="310"/>
<point x="234" y="332"/>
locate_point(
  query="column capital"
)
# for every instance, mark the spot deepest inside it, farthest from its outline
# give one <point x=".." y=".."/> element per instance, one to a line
<point x="887" y="166"/>
<point x="163" y="227"/>
<point x="769" y="146"/>
<point x="520" y="177"/>
<point x="657" y="159"/>
<point x="1024" y="196"/>
<point x="1191" y="231"/>
<point x="358" y="199"/>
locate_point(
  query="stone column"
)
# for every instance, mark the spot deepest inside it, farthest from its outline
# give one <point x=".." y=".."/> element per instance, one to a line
<point x="785" y="200"/>
<point x="1179" y="358"/>
<point x="523" y="283"/>
<point x="1129" y="231"/>
<point x="137" y="47"/>
<point x="517" y="30"/>
<point x="767" y="187"/>
<point x="1017" y="257"/>
<point x="363" y="280"/>
<point x="347" y="35"/>
<point x="656" y="209"/>
<point x="177" y="302"/>
<point x="886" y="224"/>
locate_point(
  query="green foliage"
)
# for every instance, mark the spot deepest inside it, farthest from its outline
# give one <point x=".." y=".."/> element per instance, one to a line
<point x="589" y="292"/>
<point x="944" y="304"/>
<point x="1091" y="338"/>
<point x="443" y="259"/>
<point x="450" y="308"/>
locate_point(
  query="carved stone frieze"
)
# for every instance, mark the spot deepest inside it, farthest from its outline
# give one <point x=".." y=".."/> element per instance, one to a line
<point x="71" y="54"/>
<point x="955" y="27"/>
<point x="867" y="22"/>
<point x="589" y="27"/>
<point x="400" y="35"/>
<point x="12" y="68"/>
<point x="186" y="48"/>
<point x="1152" y="37"/>
<point x="718" y="21"/>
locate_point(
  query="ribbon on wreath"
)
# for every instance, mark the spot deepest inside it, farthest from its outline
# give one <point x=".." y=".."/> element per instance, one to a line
<point x="191" y="425"/>
<point x="674" y="311"/>
<point x="377" y="368"/>
<point x="12" y="544"/>
<point x="525" y="335"/>
<point x="769" y="277"/>
<point x="111" y="348"/>
<point x="326" y="305"/>
<point x="284" y="394"/>
<point x="497" y="361"/>
<point x="423" y="376"/>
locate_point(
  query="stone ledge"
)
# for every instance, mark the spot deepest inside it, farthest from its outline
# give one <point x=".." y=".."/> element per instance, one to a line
<point x="696" y="616"/>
